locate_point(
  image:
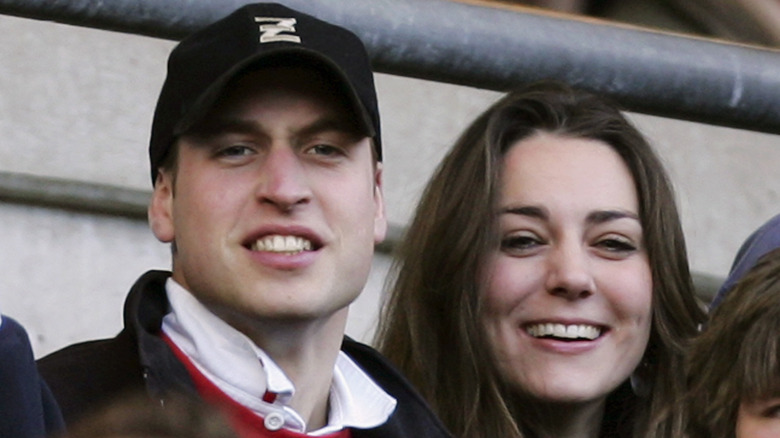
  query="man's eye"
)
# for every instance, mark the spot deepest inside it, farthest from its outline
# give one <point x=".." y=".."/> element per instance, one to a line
<point x="235" y="151"/>
<point x="325" y="150"/>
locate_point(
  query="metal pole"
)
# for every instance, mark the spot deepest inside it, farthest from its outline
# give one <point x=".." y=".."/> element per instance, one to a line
<point x="648" y="72"/>
<point x="73" y="195"/>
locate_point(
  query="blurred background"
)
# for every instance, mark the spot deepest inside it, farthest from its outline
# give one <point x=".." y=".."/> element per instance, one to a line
<point x="744" y="21"/>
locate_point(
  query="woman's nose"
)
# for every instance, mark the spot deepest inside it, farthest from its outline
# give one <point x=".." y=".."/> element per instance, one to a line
<point x="569" y="275"/>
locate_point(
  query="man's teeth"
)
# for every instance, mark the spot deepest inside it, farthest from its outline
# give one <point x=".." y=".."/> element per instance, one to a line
<point x="574" y="331"/>
<point x="282" y="244"/>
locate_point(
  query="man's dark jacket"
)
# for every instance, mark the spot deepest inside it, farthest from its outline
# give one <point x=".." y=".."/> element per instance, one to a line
<point x="86" y="376"/>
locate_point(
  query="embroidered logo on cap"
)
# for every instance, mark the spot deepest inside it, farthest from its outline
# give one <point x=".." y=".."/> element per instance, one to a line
<point x="274" y="30"/>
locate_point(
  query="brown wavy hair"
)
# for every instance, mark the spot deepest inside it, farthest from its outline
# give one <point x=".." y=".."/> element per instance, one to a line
<point x="429" y="325"/>
<point x="737" y="358"/>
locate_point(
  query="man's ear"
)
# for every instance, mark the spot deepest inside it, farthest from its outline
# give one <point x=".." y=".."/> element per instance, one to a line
<point x="380" y="219"/>
<point x="160" y="210"/>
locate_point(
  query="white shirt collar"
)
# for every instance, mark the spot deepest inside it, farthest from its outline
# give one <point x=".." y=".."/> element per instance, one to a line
<point x="243" y="371"/>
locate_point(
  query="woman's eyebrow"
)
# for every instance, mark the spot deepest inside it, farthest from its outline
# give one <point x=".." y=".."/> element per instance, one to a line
<point x="595" y="217"/>
<point x="602" y="216"/>
<point x="526" y="210"/>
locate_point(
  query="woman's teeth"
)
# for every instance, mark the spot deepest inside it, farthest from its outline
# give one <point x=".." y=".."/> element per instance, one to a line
<point x="282" y="244"/>
<point x="574" y="331"/>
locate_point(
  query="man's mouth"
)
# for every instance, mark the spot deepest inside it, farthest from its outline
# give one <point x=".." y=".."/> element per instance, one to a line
<point x="564" y="332"/>
<point x="280" y="244"/>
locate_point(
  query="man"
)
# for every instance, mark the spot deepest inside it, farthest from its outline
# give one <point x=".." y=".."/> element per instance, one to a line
<point x="265" y="155"/>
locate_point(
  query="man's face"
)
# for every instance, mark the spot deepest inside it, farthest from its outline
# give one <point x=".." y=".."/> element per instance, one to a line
<point x="276" y="203"/>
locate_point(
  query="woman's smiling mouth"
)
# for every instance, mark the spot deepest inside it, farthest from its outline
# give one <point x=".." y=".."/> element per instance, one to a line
<point x="564" y="331"/>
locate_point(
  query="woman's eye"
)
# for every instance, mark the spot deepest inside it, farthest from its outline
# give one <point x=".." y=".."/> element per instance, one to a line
<point x="615" y="244"/>
<point x="771" y="409"/>
<point x="773" y="412"/>
<point x="520" y="243"/>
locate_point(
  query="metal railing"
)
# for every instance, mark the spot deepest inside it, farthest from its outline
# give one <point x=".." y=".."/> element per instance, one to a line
<point x="646" y="71"/>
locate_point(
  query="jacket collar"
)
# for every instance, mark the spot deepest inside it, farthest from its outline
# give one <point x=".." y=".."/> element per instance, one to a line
<point x="145" y="308"/>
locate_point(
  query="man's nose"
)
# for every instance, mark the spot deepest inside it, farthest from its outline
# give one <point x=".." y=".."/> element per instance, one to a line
<point x="283" y="182"/>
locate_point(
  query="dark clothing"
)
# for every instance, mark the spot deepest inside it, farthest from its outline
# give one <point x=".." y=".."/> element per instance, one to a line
<point x="27" y="407"/>
<point x="87" y="375"/>
<point x="620" y="413"/>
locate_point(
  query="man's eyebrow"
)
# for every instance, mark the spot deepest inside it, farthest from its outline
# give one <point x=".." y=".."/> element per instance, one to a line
<point x="324" y="124"/>
<point x="219" y="125"/>
<point x="236" y="125"/>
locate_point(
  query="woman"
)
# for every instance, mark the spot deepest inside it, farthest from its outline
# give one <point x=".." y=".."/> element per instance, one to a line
<point x="545" y="250"/>
<point x="734" y="365"/>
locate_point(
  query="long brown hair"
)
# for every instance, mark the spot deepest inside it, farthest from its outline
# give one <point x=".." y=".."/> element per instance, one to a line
<point x="430" y="323"/>
<point x="737" y="358"/>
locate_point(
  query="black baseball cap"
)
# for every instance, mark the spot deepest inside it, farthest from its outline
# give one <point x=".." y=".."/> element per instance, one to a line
<point x="254" y="36"/>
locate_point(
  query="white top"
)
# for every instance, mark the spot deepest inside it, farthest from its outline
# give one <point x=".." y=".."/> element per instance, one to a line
<point x="243" y="371"/>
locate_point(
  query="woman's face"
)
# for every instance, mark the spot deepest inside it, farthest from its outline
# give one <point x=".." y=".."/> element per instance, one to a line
<point x="567" y="307"/>
<point x="759" y="419"/>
